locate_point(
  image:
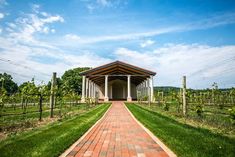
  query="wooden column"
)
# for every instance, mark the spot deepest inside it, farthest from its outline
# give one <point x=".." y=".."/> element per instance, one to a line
<point x="52" y="96"/>
<point x="184" y="96"/>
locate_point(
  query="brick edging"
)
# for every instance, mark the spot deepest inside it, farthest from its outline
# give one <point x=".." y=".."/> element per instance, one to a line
<point x="67" y="151"/>
<point x="157" y="140"/>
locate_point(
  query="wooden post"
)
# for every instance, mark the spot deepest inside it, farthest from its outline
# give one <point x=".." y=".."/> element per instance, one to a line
<point x="184" y="96"/>
<point x="52" y="96"/>
<point x="40" y="107"/>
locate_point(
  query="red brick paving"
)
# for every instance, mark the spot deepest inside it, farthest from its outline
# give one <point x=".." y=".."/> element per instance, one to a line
<point x="117" y="135"/>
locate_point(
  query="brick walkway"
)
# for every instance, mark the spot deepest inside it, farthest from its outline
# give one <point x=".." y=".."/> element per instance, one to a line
<point x="117" y="134"/>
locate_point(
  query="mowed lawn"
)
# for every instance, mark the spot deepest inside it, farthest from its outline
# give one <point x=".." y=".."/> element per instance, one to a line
<point x="51" y="140"/>
<point x="184" y="140"/>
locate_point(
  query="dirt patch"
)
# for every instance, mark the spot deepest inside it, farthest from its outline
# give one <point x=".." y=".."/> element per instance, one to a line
<point x="24" y="126"/>
<point x="2" y="136"/>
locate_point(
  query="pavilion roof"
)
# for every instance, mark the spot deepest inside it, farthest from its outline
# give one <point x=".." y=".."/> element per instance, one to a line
<point x="118" y="70"/>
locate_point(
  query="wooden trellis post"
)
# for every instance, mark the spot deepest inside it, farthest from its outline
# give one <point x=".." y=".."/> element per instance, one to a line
<point x="184" y="96"/>
<point x="52" y="96"/>
<point x="40" y="107"/>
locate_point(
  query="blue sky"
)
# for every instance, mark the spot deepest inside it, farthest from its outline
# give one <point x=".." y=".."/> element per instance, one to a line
<point x="174" y="38"/>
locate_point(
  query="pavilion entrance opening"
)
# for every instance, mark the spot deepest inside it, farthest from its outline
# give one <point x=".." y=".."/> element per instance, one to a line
<point x="119" y="90"/>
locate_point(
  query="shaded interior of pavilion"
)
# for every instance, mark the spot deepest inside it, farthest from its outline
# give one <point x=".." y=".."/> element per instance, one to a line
<point x="117" y="81"/>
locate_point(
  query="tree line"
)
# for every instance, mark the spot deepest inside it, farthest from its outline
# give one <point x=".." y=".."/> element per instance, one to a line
<point x="71" y="81"/>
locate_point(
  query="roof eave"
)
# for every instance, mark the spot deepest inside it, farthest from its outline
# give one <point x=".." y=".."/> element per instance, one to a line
<point x="117" y="62"/>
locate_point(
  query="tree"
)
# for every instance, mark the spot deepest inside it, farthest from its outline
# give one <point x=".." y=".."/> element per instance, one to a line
<point x="72" y="80"/>
<point x="8" y="84"/>
<point x="58" y="83"/>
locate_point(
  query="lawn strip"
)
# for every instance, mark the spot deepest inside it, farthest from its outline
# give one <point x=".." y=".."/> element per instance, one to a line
<point x="184" y="140"/>
<point x="51" y="140"/>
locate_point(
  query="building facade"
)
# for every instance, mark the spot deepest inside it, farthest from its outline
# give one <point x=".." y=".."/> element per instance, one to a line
<point x="117" y="81"/>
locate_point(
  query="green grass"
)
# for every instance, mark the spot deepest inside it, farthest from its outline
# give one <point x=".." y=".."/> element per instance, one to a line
<point x="51" y="140"/>
<point x="184" y="140"/>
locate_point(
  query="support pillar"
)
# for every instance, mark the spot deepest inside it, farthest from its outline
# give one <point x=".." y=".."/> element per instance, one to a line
<point x="141" y="90"/>
<point x="151" y="89"/>
<point x="92" y="89"/>
<point x="129" y="88"/>
<point x="146" y="88"/>
<point x="87" y="87"/>
<point x="106" y="98"/>
<point x="83" y="88"/>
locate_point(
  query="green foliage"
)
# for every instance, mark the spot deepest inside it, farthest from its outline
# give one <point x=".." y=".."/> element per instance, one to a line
<point x="166" y="89"/>
<point x="232" y="113"/>
<point x="43" y="89"/>
<point x="58" y="83"/>
<point x="72" y="80"/>
<point x="199" y="110"/>
<point x="3" y="98"/>
<point x="8" y="84"/>
<point x="166" y="106"/>
<point x="29" y="88"/>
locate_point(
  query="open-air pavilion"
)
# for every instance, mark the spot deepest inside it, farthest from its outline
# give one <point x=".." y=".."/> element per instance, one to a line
<point x="117" y="81"/>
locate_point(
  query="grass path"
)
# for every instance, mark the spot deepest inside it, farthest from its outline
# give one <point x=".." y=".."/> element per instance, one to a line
<point x="184" y="140"/>
<point x="51" y="140"/>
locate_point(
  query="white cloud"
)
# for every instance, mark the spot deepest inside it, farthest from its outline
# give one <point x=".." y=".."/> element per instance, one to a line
<point x="136" y="58"/>
<point x="129" y="36"/>
<point x="201" y="63"/>
<point x="209" y="22"/>
<point x="51" y="19"/>
<point x="103" y="3"/>
<point x="1" y="15"/>
<point x="0" y="30"/>
<point x="12" y="25"/>
<point x="170" y="61"/>
<point x="61" y="60"/>
<point x="52" y="30"/>
<point x="21" y="41"/>
<point x="212" y="21"/>
<point x="72" y="37"/>
<point x="90" y="8"/>
<point x="24" y="28"/>
<point x="21" y="46"/>
<point x="35" y="8"/>
<point x="147" y="43"/>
